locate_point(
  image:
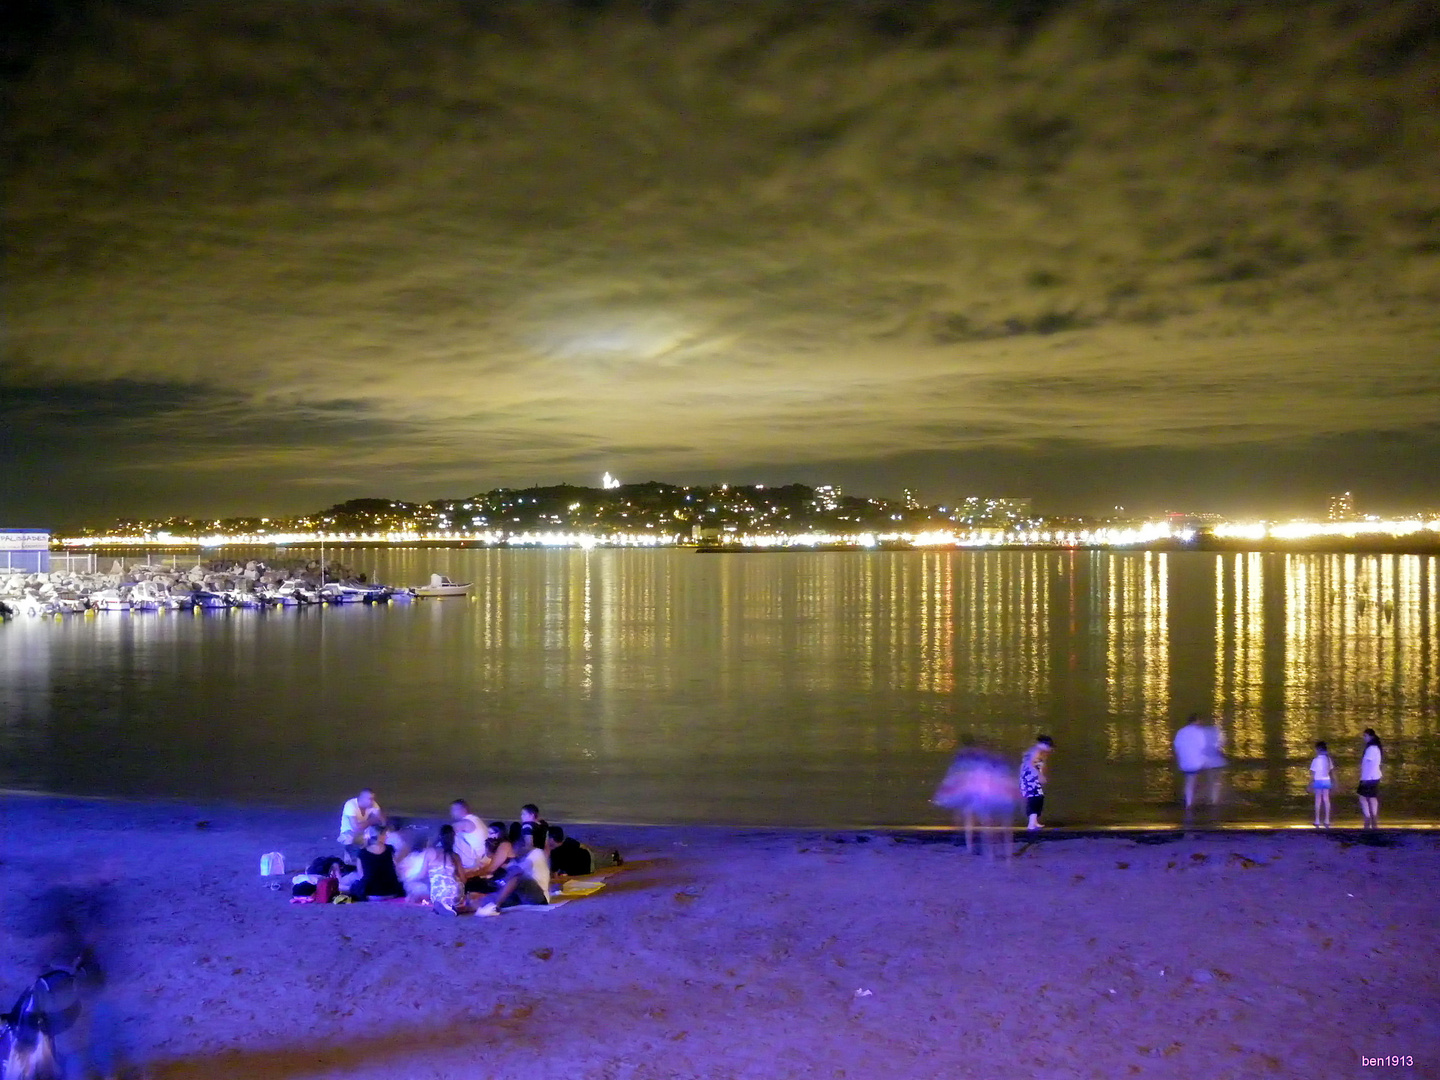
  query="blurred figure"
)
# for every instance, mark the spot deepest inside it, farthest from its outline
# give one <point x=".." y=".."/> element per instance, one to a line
<point x="76" y="924"/>
<point x="469" y="837"/>
<point x="1200" y="754"/>
<point x="356" y="816"/>
<point x="1032" y="779"/>
<point x="979" y="790"/>
<point x="1369" y="787"/>
<point x="1322" y="779"/>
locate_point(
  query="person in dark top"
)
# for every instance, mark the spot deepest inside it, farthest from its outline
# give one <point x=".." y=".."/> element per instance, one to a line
<point x="378" y="879"/>
<point x="530" y="831"/>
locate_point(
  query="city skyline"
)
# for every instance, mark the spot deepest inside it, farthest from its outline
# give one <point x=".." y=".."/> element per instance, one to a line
<point x="1166" y="257"/>
<point x="655" y="512"/>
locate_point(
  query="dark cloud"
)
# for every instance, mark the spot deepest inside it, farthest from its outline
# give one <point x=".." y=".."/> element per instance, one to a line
<point x="330" y="249"/>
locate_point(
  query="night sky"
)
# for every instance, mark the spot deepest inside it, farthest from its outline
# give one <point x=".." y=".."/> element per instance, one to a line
<point x="261" y="257"/>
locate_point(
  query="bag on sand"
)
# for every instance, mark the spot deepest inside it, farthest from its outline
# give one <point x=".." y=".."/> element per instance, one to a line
<point x="326" y="890"/>
<point x="272" y="862"/>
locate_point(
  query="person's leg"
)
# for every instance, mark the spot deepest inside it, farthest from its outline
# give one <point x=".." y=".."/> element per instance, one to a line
<point x="499" y="899"/>
<point x="1365" y="812"/>
<point x="1034" y="807"/>
<point x="1325" y="802"/>
<point x="1319" y="797"/>
<point x="527" y="891"/>
<point x="1189" y="790"/>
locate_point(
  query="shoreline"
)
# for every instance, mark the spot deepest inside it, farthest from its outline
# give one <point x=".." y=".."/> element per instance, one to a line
<point x="755" y="953"/>
<point x="1065" y="830"/>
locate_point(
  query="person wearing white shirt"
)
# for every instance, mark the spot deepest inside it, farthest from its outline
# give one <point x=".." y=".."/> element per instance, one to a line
<point x="469" y="836"/>
<point x="526" y="882"/>
<point x="358" y="814"/>
<point x="1322" y="779"/>
<point x="1198" y="747"/>
<point x="1369" y="788"/>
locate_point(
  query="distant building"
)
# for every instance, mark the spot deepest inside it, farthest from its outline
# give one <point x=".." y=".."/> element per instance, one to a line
<point x="1342" y="507"/>
<point x="912" y="501"/>
<point x="26" y="550"/>
<point x="609" y="483"/>
<point x="827" y="497"/>
<point x="979" y="510"/>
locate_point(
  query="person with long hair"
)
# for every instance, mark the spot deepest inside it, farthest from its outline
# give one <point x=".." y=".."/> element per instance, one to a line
<point x="442" y="865"/>
<point x="1369" y="789"/>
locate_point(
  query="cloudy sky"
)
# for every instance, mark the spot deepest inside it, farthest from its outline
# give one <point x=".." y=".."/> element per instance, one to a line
<point x="265" y="256"/>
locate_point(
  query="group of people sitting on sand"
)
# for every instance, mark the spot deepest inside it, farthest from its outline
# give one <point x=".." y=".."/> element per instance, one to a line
<point x="468" y="866"/>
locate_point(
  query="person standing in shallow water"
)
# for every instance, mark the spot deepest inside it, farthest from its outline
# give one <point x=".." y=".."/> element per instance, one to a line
<point x="1369" y="788"/>
<point x="1322" y="778"/>
<point x="1032" y="779"/>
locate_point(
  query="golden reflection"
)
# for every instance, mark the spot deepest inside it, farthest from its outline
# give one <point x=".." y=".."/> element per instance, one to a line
<point x="1134" y="609"/>
<point x="1240" y="650"/>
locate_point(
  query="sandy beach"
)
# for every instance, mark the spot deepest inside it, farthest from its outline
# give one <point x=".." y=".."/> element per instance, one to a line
<point x="729" y="953"/>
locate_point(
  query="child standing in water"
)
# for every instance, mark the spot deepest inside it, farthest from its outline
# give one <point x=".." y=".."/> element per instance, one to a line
<point x="1322" y="779"/>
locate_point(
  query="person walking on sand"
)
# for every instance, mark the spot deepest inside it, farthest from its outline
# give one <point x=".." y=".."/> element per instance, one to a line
<point x="1369" y="788"/>
<point x="1322" y="779"/>
<point x="1032" y="779"/>
<point x="979" y="790"/>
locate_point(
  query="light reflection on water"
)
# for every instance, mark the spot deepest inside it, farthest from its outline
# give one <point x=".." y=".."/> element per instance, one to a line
<point x="816" y="688"/>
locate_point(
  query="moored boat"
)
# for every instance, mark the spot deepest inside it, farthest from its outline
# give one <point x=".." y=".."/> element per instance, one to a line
<point x="440" y="585"/>
<point x="109" y="600"/>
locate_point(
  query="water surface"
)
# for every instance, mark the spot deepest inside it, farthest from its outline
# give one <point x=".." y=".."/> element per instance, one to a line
<point x="824" y="688"/>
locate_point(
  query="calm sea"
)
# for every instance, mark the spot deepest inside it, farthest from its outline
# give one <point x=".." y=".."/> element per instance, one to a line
<point x="826" y="688"/>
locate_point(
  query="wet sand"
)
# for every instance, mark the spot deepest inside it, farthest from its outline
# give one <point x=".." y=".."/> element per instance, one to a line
<point x="722" y="953"/>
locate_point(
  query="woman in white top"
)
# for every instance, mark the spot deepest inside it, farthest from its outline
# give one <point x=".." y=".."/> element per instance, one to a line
<point x="1322" y="779"/>
<point x="1369" y="789"/>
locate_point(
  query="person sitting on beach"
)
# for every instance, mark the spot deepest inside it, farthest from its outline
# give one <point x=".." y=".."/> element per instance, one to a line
<point x="410" y="863"/>
<point x="378" y="879"/>
<point x="487" y="878"/>
<point x="358" y="813"/>
<point x="530" y="831"/>
<point x="568" y="857"/>
<point x="442" y="868"/>
<point x="469" y="836"/>
<point x="527" y="881"/>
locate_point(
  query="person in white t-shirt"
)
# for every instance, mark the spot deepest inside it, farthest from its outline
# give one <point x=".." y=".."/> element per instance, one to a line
<point x="526" y="882"/>
<point x="1322" y="779"/>
<point x="357" y="815"/>
<point x="1369" y="788"/>
<point x="469" y="836"/>
<point x="1199" y="748"/>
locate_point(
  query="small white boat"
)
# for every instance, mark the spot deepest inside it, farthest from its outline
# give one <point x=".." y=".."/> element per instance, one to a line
<point x="147" y="596"/>
<point x="109" y="600"/>
<point x="440" y="585"/>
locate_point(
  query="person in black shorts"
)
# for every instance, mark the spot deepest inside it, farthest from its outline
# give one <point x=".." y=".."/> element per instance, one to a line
<point x="1032" y="779"/>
